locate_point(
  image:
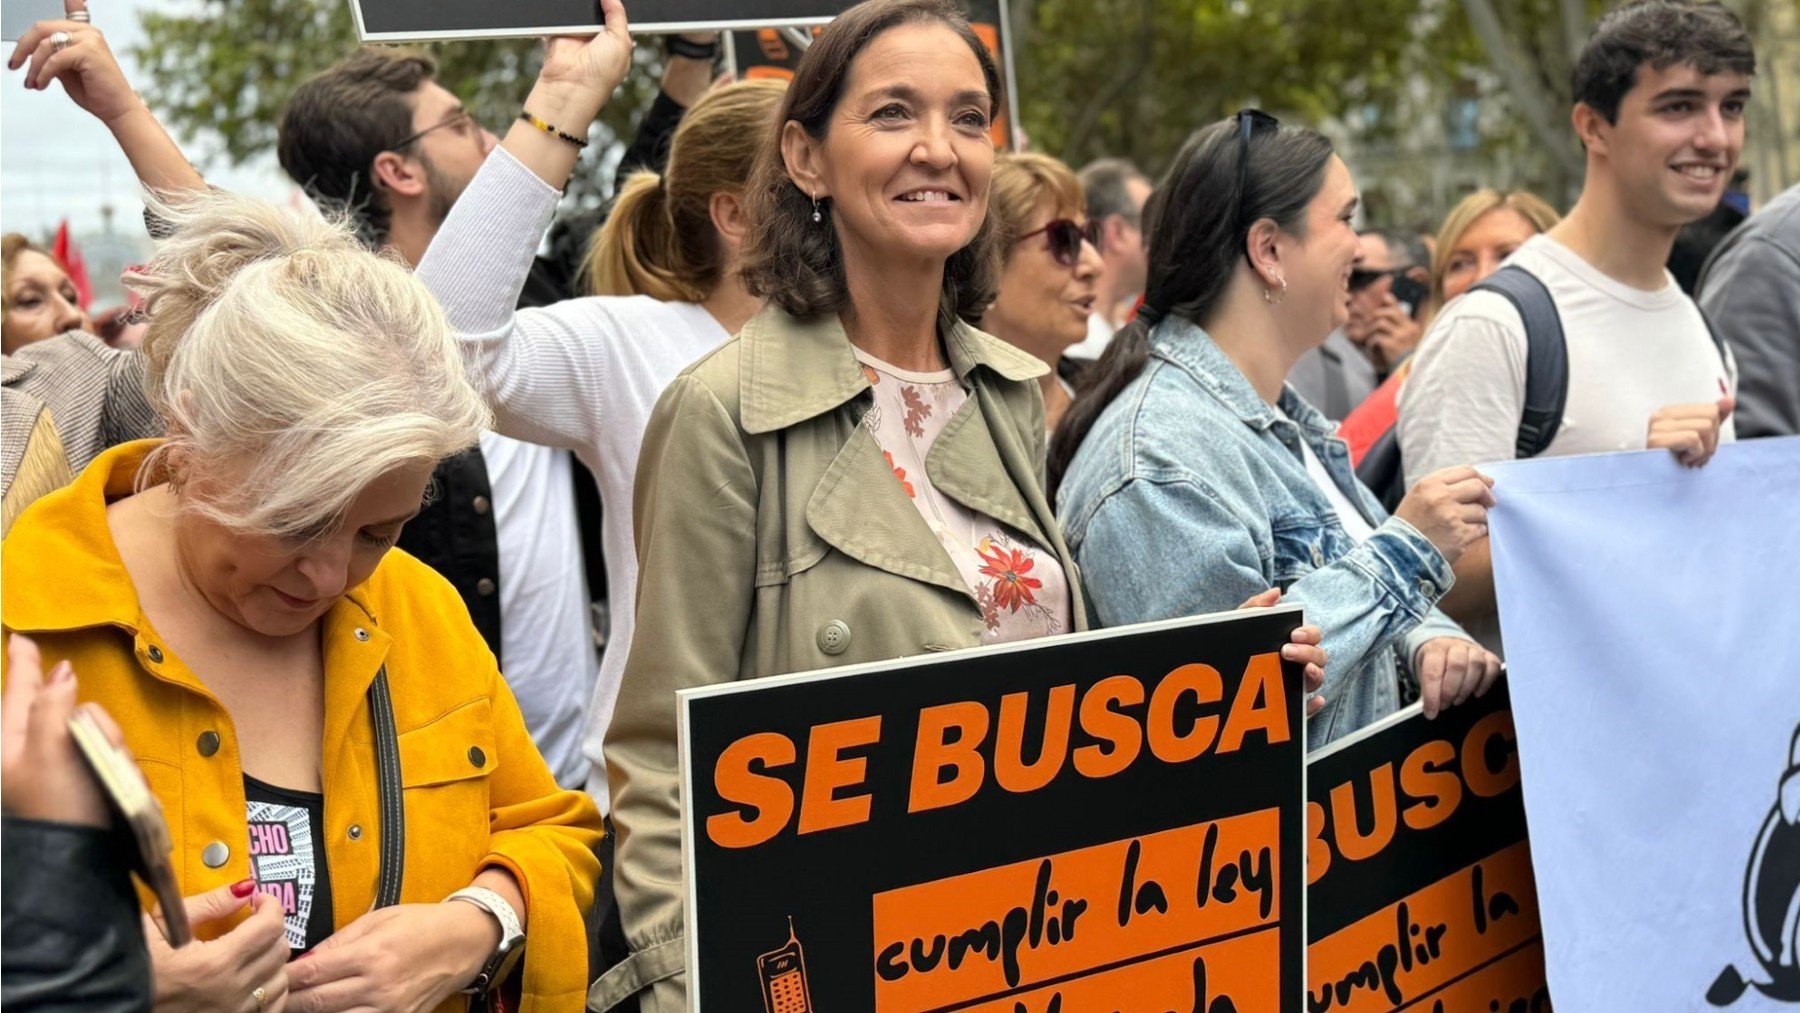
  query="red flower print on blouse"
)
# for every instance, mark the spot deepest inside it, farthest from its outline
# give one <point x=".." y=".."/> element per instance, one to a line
<point x="916" y="410"/>
<point x="1008" y="567"/>
<point x="900" y="473"/>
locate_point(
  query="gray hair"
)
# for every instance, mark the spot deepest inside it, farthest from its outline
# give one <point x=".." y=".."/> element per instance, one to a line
<point x="1408" y="248"/>
<point x="279" y="344"/>
<point x="1104" y="181"/>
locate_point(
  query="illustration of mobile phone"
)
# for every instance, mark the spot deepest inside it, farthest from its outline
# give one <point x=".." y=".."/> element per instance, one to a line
<point x="783" y="975"/>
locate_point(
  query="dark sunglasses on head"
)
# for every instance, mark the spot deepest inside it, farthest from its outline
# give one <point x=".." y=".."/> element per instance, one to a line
<point x="1065" y="238"/>
<point x="1250" y="122"/>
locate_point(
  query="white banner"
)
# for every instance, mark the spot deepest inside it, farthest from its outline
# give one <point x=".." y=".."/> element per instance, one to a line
<point x="1649" y="613"/>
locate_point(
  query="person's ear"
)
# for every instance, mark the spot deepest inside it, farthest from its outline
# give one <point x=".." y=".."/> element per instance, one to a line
<point x="398" y="175"/>
<point x="1114" y="233"/>
<point x="800" y="153"/>
<point x="1264" y="249"/>
<point x="1591" y="128"/>
<point x="729" y="218"/>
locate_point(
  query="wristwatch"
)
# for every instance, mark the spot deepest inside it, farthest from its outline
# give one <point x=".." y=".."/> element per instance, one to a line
<point x="512" y="937"/>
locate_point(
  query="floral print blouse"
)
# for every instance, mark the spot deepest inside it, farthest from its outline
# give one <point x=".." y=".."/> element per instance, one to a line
<point x="1017" y="583"/>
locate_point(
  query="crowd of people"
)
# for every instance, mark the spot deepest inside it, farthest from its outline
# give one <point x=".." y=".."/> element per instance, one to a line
<point x="833" y="382"/>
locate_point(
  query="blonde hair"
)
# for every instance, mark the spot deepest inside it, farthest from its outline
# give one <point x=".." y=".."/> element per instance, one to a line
<point x="279" y="343"/>
<point x="1470" y="210"/>
<point x="1021" y="182"/>
<point x="659" y="240"/>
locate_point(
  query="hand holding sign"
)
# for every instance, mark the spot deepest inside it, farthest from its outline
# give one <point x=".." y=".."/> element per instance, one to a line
<point x="579" y="74"/>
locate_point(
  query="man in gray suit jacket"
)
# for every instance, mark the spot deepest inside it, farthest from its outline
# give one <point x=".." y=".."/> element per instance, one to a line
<point x="1750" y="290"/>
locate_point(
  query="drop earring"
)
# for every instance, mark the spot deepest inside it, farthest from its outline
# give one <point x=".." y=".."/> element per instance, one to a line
<point x="817" y="216"/>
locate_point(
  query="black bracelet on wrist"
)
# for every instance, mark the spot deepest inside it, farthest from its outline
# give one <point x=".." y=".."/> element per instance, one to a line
<point x="678" y="46"/>
<point x="552" y="130"/>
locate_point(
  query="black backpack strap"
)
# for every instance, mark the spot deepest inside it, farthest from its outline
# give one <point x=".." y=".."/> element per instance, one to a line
<point x="1546" y="356"/>
<point x="388" y="791"/>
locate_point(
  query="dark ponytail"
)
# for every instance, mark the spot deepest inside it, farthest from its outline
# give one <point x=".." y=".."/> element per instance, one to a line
<point x="1199" y="222"/>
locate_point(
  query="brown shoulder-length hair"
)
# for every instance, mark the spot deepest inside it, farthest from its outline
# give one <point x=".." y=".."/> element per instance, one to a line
<point x="796" y="262"/>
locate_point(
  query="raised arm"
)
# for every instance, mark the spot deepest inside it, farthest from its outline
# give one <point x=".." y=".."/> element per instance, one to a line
<point x="75" y="53"/>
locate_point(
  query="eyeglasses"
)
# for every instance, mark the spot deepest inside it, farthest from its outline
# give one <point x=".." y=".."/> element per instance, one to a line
<point x="1065" y="238"/>
<point x="455" y="119"/>
<point x="1250" y="122"/>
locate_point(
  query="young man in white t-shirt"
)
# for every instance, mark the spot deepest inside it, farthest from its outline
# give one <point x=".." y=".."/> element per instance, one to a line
<point x="1660" y="91"/>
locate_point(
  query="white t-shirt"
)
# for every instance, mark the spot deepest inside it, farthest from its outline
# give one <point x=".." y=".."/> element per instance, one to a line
<point x="1631" y="352"/>
<point x="1099" y="335"/>
<point x="1348" y="515"/>
<point x="545" y="635"/>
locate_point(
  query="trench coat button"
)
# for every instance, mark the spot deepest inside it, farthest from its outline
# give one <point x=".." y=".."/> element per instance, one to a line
<point x="355" y="832"/>
<point x="156" y="655"/>
<point x="477" y="757"/>
<point x="485" y="587"/>
<point x="834" y="637"/>
<point x="208" y="743"/>
<point x="215" y="854"/>
<point x="482" y="505"/>
<point x="362" y="634"/>
<point x="1318" y="555"/>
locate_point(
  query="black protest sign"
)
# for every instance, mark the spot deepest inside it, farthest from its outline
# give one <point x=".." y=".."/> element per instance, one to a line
<point x="1420" y="893"/>
<point x="420" y="20"/>
<point x="1110" y="820"/>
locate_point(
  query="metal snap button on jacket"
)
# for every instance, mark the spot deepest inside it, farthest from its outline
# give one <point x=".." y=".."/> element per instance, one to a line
<point x="1426" y="585"/>
<point x="485" y="587"/>
<point x="1318" y="556"/>
<point x="215" y="854"/>
<point x="355" y="832"/>
<point x="208" y="744"/>
<point x="156" y="654"/>
<point x="362" y="634"/>
<point x="834" y="637"/>
<point x="477" y="757"/>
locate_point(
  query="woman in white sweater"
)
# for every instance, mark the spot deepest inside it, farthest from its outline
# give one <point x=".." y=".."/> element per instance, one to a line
<point x="583" y="374"/>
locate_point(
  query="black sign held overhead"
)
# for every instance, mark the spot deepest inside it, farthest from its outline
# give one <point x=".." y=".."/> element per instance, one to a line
<point x="434" y="20"/>
<point x="1106" y="821"/>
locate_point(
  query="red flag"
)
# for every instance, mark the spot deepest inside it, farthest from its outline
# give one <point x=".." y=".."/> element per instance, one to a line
<point x="69" y="255"/>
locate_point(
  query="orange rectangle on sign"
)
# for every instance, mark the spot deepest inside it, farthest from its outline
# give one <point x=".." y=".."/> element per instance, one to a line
<point x="1003" y="931"/>
<point x="1471" y="926"/>
<point x="1239" y="969"/>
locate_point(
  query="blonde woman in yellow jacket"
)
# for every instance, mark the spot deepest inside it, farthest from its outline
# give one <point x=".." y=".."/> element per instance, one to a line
<point x="345" y="774"/>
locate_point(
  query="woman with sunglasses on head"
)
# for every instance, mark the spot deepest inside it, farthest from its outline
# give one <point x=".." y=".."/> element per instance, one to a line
<point x="1049" y="266"/>
<point x="1191" y="475"/>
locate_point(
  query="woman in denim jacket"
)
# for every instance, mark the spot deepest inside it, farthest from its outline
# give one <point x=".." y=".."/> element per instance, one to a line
<point x="1191" y="476"/>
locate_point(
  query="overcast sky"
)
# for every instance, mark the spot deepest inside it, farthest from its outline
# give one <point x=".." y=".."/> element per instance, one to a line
<point x="57" y="162"/>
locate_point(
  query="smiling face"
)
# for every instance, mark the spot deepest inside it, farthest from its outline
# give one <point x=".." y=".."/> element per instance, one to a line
<point x="906" y="157"/>
<point x="41" y="302"/>
<point x="1318" y="264"/>
<point x="1676" y="143"/>
<point x="1043" y="305"/>
<point x="279" y="586"/>
<point x="1478" y="252"/>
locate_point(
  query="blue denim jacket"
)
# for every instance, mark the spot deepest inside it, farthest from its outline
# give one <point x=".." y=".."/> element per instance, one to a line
<point x="1190" y="495"/>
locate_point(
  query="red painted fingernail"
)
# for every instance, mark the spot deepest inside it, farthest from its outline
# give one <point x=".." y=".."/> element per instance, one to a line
<point x="243" y="888"/>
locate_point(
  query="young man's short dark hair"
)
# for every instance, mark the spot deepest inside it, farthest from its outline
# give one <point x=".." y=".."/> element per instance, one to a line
<point x="1662" y="33"/>
<point x="340" y="120"/>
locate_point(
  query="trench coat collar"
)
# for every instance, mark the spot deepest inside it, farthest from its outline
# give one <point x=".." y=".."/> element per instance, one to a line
<point x="797" y="369"/>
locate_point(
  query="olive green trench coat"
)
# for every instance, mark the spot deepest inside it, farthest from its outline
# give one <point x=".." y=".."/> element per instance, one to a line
<point x="772" y="537"/>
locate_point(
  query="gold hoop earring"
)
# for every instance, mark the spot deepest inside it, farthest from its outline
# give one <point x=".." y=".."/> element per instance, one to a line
<point x="1276" y="300"/>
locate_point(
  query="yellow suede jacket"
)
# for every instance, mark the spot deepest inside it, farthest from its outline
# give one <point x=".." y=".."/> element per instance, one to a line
<point x="476" y="792"/>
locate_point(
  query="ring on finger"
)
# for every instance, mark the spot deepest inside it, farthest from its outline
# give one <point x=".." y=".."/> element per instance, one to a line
<point x="261" y="995"/>
<point x="84" y="17"/>
<point x="60" y="41"/>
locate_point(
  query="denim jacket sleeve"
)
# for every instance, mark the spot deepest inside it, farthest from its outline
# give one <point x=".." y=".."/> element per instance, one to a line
<point x="1207" y="556"/>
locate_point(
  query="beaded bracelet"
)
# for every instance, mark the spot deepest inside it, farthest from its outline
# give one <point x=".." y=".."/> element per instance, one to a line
<point x="525" y="114"/>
